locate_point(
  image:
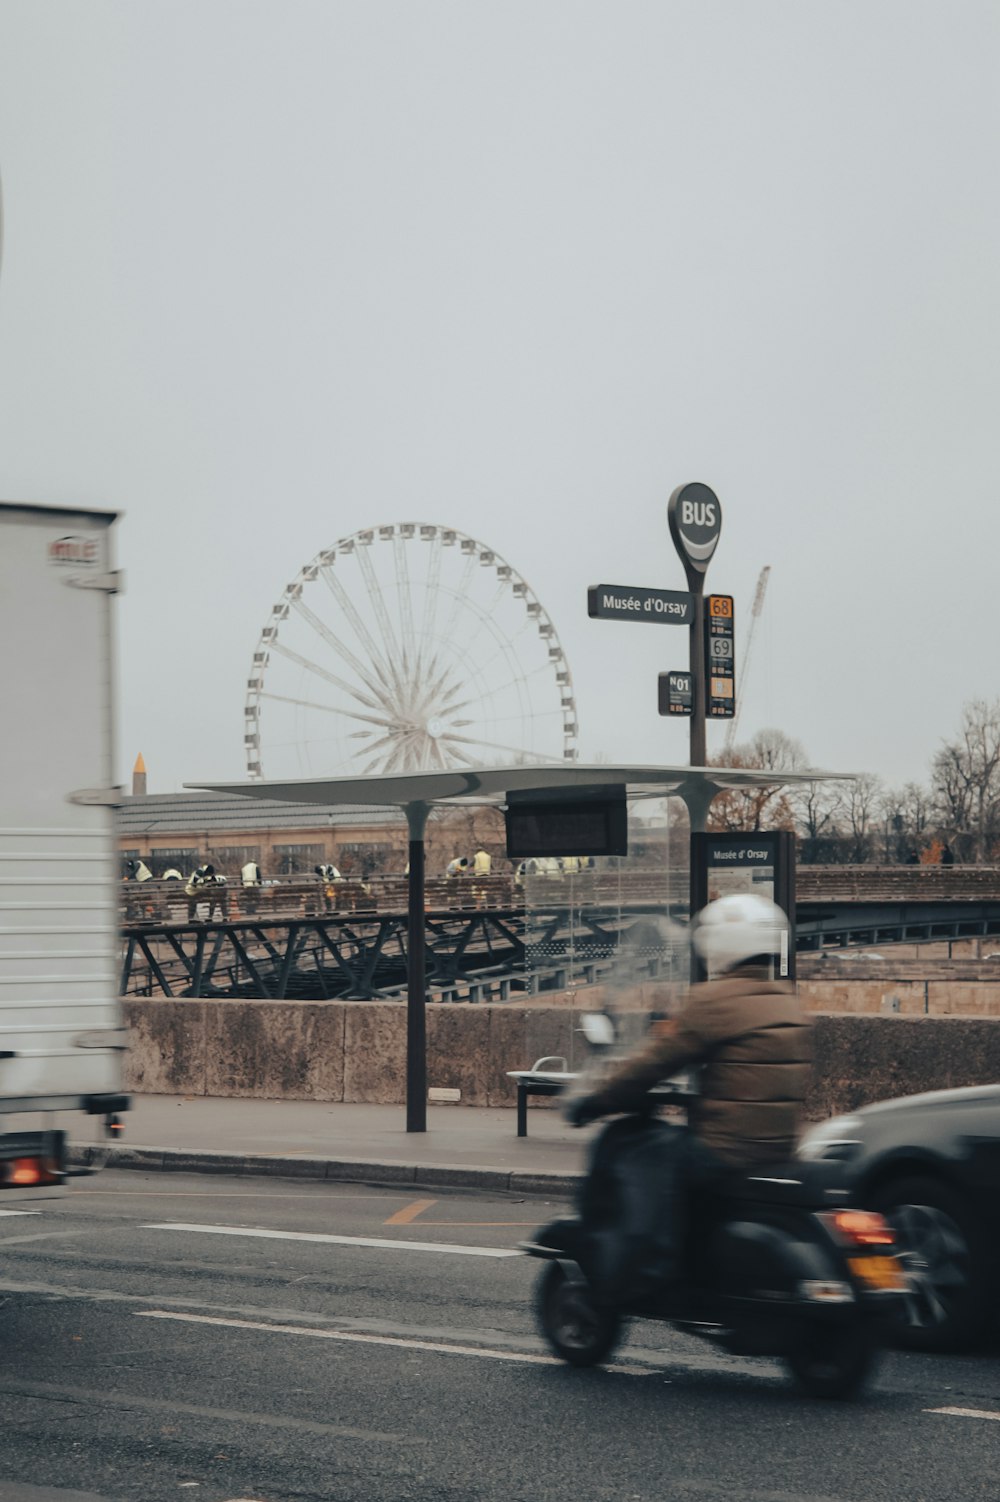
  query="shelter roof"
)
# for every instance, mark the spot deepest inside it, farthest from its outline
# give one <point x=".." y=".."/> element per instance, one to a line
<point x="183" y="813"/>
<point x="492" y="784"/>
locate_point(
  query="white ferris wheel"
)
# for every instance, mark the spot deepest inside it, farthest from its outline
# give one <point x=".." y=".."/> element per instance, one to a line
<point x="406" y="648"/>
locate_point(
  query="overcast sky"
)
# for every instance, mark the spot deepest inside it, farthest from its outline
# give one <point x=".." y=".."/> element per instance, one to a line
<point x="276" y="272"/>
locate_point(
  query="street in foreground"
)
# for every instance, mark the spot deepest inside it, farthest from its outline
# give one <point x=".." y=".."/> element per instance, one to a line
<point x="235" y="1338"/>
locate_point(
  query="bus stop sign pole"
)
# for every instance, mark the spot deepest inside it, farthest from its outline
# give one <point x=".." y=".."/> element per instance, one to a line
<point x="695" y="520"/>
<point x="694" y="516"/>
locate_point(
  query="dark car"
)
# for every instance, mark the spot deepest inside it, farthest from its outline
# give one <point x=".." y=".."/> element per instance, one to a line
<point x="931" y="1164"/>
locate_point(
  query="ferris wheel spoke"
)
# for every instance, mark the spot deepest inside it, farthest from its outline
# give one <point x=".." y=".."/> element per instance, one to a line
<point x="385" y="740"/>
<point x="314" y="667"/>
<point x="476" y="740"/>
<point x="462" y="756"/>
<point x="437" y="696"/>
<point x="486" y="614"/>
<point x="461" y="595"/>
<point x="352" y="613"/>
<point x="405" y="599"/>
<point x="487" y="622"/>
<point x="337" y="709"/>
<point x="332" y="640"/>
<point x="439" y="755"/>
<point x="431" y="596"/>
<point x="301" y="703"/>
<point x="506" y="652"/>
<point x="501" y="688"/>
<point x="392" y="649"/>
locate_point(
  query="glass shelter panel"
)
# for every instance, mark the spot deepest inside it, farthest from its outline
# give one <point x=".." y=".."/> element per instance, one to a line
<point x="610" y="933"/>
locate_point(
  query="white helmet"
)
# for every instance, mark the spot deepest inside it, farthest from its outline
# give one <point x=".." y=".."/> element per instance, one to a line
<point x="737" y="928"/>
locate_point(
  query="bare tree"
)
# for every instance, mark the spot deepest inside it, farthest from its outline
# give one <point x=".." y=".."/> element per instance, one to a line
<point x="817" y="808"/>
<point x="965" y="778"/>
<point x="907" y="817"/>
<point x="862" y="804"/>
<point x="755" y="808"/>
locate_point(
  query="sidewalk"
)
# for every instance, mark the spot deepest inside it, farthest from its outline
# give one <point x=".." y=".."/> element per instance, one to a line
<point x="464" y="1146"/>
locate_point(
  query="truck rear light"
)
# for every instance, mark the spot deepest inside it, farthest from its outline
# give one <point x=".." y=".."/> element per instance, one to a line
<point x="22" y="1173"/>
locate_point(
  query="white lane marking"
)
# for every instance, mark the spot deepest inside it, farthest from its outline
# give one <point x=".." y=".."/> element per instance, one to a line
<point x="966" y="1413"/>
<point x="352" y="1336"/>
<point x="130" y="1402"/>
<point x="355" y="1337"/>
<point x="20" y="1212"/>
<point x="42" y="1236"/>
<point x="376" y="1241"/>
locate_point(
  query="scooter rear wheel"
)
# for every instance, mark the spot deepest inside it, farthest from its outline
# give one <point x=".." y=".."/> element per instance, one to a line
<point x="578" y="1330"/>
<point x="833" y="1361"/>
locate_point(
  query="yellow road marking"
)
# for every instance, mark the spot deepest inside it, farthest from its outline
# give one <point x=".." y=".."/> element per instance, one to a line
<point x="409" y="1213"/>
<point x="479" y="1222"/>
<point x="213" y="1194"/>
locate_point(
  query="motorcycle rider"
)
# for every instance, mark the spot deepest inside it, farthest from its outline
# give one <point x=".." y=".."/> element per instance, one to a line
<point x="748" y="1034"/>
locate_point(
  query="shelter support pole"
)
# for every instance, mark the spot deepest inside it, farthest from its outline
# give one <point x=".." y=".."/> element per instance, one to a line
<point x="416" y="992"/>
<point x="699" y="801"/>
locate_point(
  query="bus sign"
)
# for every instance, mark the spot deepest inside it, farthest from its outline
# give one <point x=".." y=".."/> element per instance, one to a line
<point x="676" y="693"/>
<point x="720" y="658"/>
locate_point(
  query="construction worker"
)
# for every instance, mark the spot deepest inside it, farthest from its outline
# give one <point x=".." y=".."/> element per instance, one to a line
<point x="200" y="878"/>
<point x="137" y="870"/>
<point x="458" y="866"/>
<point x="482" y="865"/>
<point x="570" y="864"/>
<point x="250" y="874"/>
<point x="172" y="875"/>
<point x="328" y="875"/>
<point x="201" y="884"/>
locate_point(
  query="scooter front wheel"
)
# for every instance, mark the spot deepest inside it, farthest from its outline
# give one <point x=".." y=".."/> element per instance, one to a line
<point x="833" y="1361"/>
<point x="578" y="1330"/>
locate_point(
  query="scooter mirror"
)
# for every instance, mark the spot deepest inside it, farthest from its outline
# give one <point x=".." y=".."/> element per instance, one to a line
<point x="598" y="1029"/>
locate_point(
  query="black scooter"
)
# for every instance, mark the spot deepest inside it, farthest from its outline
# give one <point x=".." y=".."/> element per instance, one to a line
<point x="780" y="1265"/>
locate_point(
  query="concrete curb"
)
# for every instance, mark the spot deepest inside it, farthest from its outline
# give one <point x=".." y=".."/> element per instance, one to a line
<point x="342" y="1170"/>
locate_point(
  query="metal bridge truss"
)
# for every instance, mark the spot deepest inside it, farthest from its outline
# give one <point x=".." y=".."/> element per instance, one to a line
<point x="473" y="955"/>
<point x="344" y="958"/>
<point x="842" y="924"/>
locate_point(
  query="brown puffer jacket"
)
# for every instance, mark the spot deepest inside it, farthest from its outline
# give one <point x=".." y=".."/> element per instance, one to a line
<point x="750" y="1036"/>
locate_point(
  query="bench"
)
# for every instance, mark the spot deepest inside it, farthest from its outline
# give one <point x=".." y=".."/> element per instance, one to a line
<point x="539" y="1080"/>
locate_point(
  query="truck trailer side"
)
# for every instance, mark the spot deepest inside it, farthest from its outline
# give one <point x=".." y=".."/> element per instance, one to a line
<point x="62" y="1037"/>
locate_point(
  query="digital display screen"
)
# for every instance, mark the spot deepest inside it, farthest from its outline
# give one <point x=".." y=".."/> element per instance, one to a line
<point x="561" y="828"/>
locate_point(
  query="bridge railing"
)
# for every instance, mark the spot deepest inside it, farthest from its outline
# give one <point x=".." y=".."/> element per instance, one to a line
<point x="896" y="883"/>
<point x="159" y="903"/>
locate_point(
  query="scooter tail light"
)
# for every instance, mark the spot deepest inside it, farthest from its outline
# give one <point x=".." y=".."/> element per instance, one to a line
<point x="861" y="1227"/>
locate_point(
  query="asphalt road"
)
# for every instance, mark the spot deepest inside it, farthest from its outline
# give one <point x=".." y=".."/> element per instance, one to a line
<point x="225" y="1338"/>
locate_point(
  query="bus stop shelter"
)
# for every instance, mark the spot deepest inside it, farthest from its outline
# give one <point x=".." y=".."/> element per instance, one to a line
<point x="416" y="793"/>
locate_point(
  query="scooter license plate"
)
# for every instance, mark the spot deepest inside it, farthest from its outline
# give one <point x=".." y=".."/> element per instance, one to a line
<point x="879" y="1272"/>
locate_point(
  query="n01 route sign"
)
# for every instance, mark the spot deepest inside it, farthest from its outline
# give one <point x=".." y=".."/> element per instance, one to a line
<point x="626" y="602"/>
<point x="676" y="693"/>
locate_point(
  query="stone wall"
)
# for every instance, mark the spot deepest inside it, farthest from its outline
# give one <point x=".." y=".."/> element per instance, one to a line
<point x="935" y="998"/>
<point x="356" y="1051"/>
<point x="334" y="1050"/>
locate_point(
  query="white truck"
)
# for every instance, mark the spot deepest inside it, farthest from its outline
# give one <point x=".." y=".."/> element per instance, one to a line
<point x="62" y="1038"/>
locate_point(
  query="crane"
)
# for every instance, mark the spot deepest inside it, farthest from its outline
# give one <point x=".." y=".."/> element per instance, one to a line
<point x="755" y="610"/>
